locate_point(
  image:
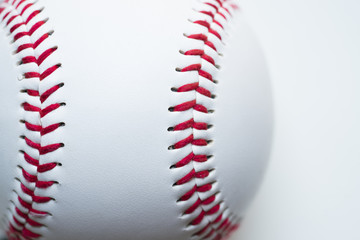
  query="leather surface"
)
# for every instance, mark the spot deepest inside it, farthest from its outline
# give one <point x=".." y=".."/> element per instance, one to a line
<point x="118" y="65"/>
<point x="9" y="123"/>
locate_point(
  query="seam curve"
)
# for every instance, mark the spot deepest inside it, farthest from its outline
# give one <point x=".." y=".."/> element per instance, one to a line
<point x="209" y="216"/>
<point x="23" y="21"/>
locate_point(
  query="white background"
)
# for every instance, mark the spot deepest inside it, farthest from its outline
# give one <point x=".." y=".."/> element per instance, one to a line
<point x="311" y="191"/>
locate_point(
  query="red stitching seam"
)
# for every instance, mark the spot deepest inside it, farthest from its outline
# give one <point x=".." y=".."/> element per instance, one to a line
<point x="24" y="214"/>
<point x="218" y="226"/>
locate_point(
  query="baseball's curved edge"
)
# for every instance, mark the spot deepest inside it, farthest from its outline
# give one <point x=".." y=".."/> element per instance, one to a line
<point x="209" y="214"/>
<point x="40" y="83"/>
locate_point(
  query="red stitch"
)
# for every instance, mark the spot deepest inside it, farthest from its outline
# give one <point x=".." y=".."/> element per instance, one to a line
<point x="46" y="167"/>
<point x="205" y="74"/>
<point x="199" y="52"/>
<point x="188" y="87"/>
<point x="25" y="8"/>
<point x="191" y="124"/>
<point x="20" y="213"/>
<point x="16" y="26"/>
<point x="202" y="174"/>
<point x="21" y="2"/>
<point x="208" y="58"/>
<point x="23" y="203"/>
<point x="29" y="234"/>
<point x="45" y="55"/>
<point x="20" y="35"/>
<point x="227" y="10"/>
<point x="29" y="177"/>
<point x="184" y="142"/>
<point x="32" y="15"/>
<point x="49" y="109"/>
<point x="195" y="52"/>
<point x="40" y="40"/>
<point x="212" y="31"/>
<point x="33" y="127"/>
<point x="33" y="93"/>
<point x="32" y="144"/>
<point x="43" y="185"/>
<point x="10" y="20"/>
<point x="194" y="67"/>
<point x="221" y="14"/>
<point x="200" y="108"/>
<point x="201" y="37"/>
<point x="213" y="210"/>
<point x="17" y="221"/>
<point x="184" y="106"/>
<point x="32" y="75"/>
<point x="204" y="188"/>
<point x="199" y="218"/>
<point x="33" y="223"/>
<point x="199" y="142"/>
<point x="50" y="148"/>
<point x="6" y="15"/>
<point x="202" y="230"/>
<point x="219" y="24"/>
<point x="209" y="200"/>
<point x="186" y="160"/>
<point x="38" y="199"/>
<point x="212" y="5"/>
<point x="30" y="160"/>
<point x="211" y="45"/>
<point x="203" y="23"/>
<point x="189" y="194"/>
<point x="37" y="212"/>
<point x="200" y="158"/>
<point x="26" y="190"/>
<point x="30" y="108"/>
<point x="36" y="27"/>
<point x="50" y="128"/>
<point x="223" y="224"/>
<point x="24" y="46"/>
<point x="219" y="2"/>
<point x="204" y="91"/>
<point x="208" y="13"/>
<point x="187" y="178"/>
<point x="49" y="71"/>
<point x="28" y="59"/>
<point x="218" y="219"/>
<point x="193" y="207"/>
<point x="49" y="92"/>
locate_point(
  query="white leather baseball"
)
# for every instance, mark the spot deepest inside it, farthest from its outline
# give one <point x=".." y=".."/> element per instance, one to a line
<point x="129" y="120"/>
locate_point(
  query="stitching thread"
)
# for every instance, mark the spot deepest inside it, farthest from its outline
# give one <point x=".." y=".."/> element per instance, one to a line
<point x="25" y="218"/>
<point x="219" y="222"/>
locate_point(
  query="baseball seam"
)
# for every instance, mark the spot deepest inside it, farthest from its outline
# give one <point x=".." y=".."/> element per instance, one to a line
<point x="210" y="218"/>
<point x="34" y="53"/>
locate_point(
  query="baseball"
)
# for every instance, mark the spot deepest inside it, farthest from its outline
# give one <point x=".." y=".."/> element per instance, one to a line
<point x="129" y="120"/>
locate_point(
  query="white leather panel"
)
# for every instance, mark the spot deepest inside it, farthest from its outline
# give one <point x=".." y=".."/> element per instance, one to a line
<point x="244" y="119"/>
<point x="117" y="69"/>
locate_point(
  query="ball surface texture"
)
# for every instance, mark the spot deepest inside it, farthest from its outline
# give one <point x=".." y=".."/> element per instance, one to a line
<point x="129" y="119"/>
